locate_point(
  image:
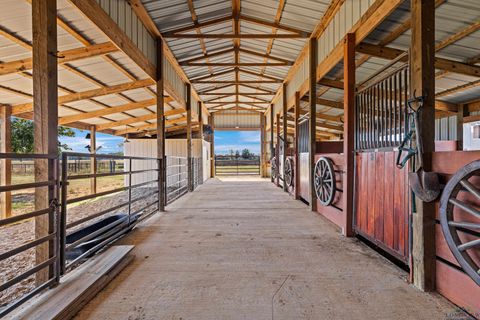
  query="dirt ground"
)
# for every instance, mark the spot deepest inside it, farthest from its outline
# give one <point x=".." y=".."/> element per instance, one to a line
<point x="14" y="235"/>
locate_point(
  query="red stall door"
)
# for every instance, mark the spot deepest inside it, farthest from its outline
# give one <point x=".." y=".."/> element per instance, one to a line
<point x="382" y="202"/>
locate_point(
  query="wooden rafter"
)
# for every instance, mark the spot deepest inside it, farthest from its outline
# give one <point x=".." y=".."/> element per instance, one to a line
<point x="27" y="107"/>
<point x="138" y="119"/>
<point x="149" y="126"/>
<point x="440" y="63"/>
<point x="63" y="57"/>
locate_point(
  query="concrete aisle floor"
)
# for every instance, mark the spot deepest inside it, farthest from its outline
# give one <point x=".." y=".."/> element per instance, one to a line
<point x="247" y="250"/>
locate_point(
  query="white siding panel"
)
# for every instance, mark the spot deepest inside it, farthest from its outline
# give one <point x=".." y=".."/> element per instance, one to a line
<point x="148" y="148"/>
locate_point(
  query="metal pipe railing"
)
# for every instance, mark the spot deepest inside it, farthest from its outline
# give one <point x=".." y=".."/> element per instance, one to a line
<point x="137" y="208"/>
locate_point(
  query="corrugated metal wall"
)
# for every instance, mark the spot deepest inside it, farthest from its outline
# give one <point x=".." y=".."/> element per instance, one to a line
<point x="121" y="12"/>
<point x="446" y="128"/>
<point x="173" y="148"/>
<point x="237" y="121"/>
<point x="349" y="13"/>
<point x="173" y="79"/>
<point x="301" y="75"/>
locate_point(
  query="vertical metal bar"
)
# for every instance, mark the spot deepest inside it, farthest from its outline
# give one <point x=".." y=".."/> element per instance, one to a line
<point x="390" y="103"/>
<point x="395" y="107"/>
<point x="159" y="183"/>
<point x="364" y="120"/>
<point x="370" y="118"/>
<point x="57" y="220"/>
<point x="63" y="213"/>
<point x="384" y="96"/>
<point x="129" y="189"/>
<point x="405" y="108"/>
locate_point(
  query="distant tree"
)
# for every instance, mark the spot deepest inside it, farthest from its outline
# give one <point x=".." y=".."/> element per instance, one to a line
<point x="23" y="136"/>
<point x="246" y="154"/>
<point x="237" y="154"/>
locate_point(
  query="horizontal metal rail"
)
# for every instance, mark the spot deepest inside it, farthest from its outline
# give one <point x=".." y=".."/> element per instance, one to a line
<point x="107" y="174"/>
<point x="175" y="184"/>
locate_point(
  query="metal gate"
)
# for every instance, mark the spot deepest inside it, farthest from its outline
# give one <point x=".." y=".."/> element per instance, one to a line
<point x="237" y="165"/>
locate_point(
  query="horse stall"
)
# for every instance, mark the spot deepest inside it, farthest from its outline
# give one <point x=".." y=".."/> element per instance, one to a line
<point x="386" y="189"/>
<point x="329" y="166"/>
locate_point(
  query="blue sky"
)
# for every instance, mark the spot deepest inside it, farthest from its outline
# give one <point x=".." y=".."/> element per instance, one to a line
<point x="224" y="141"/>
<point x="109" y="143"/>
<point x="237" y="140"/>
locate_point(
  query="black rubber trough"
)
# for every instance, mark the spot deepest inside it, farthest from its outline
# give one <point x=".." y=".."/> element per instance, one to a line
<point x="119" y="221"/>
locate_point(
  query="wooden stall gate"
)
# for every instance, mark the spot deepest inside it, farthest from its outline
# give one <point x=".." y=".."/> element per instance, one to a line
<point x="382" y="196"/>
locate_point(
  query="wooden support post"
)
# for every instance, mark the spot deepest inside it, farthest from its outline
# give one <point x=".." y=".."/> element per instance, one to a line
<point x="423" y="83"/>
<point x="296" y="171"/>
<point x="262" y="145"/>
<point x="212" y="146"/>
<point x="188" y="107"/>
<point x="45" y="117"/>
<point x="93" y="160"/>
<point x="200" y="123"/>
<point x="277" y="149"/>
<point x="285" y="133"/>
<point x="162" y="192"/>
<point x="312" y="82"/>
<point x="271" y="138"/>
<point x="5" y="164"/>
<point x="348" y="131"/>
<point x="461" y="113"/>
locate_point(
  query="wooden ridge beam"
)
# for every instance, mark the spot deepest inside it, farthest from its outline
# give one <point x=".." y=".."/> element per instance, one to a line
<point x="27" y="107"/>
<point x="235" y="82"/>
<point x="63" y="57"/>
<point x="440" y="63"/>
<point x="233" y="35"/>
<point x="235" y="64"/>
<point x="235" y="102"/>
<point x="239" y="93"/>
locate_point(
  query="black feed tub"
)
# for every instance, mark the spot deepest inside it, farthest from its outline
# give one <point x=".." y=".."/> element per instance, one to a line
<point x="83" y="232"/>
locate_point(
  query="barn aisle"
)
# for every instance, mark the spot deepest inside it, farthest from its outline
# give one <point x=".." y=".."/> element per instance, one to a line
<point x="247" y="250"/>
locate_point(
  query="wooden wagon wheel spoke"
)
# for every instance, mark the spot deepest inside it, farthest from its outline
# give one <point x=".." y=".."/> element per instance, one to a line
<point x="325" y="184"/>
<point x="453" y="213"/>
<point x="471" y="188"/>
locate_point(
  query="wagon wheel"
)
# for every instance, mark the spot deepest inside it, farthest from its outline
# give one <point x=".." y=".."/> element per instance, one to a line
<point x="325" y="184"/>
<point x="454" y="227"/>
<point x="289" y="172"/>
<point x="274" y="169"/>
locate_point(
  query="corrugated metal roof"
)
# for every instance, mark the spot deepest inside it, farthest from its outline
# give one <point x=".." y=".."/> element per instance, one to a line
<point x="172" y="15"/>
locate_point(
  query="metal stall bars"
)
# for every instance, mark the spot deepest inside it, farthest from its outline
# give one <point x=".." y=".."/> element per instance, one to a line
<point x="83" y="237"/>
<point x="177" y="178"/>
<point x="52" y="236"/>
<point x="381" y="120"/>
